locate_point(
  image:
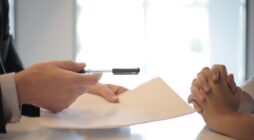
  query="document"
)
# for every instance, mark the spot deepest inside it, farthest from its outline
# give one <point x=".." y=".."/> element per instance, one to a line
<point x="151" y="101"/>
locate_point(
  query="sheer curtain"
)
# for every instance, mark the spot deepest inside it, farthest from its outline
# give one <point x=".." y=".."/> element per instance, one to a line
<point x="172" y="39"/>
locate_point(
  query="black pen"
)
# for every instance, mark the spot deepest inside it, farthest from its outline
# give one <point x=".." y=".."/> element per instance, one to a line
<point x="115" y="71"/>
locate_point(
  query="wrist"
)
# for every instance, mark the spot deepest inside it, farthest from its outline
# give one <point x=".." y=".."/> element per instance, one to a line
<point x="223" y="122"/>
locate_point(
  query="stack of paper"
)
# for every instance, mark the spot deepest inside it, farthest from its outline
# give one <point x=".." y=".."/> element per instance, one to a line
<point x="151" y="101"/>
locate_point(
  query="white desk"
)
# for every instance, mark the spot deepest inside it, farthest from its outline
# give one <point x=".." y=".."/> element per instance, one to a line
<point x="174" y="129"/>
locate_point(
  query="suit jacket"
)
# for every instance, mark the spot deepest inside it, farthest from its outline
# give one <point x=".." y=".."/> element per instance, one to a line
<point x="9" y="60"/>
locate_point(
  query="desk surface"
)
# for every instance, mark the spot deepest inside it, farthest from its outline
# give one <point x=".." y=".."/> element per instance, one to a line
<point x="188" y="127"/>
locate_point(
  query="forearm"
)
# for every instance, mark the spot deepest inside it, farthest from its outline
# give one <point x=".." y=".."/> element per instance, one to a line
<point x="237" y="125"/>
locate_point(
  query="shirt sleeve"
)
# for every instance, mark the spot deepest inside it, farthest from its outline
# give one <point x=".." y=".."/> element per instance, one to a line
<point x="12" y="111"/>
<point x="249" y="87"/>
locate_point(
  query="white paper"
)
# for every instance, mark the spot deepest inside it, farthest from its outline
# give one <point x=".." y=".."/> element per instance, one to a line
<point x="151" y="101"/>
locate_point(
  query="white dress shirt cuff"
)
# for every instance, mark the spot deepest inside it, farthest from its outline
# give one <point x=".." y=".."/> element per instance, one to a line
<point x="10" y="98"/>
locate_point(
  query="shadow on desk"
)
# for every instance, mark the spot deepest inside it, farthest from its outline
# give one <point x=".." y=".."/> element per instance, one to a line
<point x="68" y="134"/>
<point x="174" y="129"/>
<point x="30" y="129"/>
<point x="105" y="134"/>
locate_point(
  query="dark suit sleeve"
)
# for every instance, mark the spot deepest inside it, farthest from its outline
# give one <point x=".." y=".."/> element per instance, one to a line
<point x="3" y="10"/>
<point x="13" y="64"/>
<point x="10" y="61"/>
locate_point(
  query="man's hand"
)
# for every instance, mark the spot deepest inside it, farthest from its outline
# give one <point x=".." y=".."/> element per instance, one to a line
<point x="53" y="85"/>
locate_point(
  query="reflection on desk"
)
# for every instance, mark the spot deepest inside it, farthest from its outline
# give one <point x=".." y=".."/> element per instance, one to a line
<point x="188" y="127"/>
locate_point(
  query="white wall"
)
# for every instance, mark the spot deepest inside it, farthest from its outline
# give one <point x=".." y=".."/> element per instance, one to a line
<point x="45" y="30"/>
<point x="250" y="40"/>
<point x="227" y="35"/>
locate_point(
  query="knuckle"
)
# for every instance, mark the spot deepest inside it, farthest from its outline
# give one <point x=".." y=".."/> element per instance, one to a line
<point x="221" y="66"/>
<point x="215" y="65"/>
<point x="224" y="68"/>
<point x="192" y="89"/>
<point x="206" y="69"/>
<point x="197" y="82"/>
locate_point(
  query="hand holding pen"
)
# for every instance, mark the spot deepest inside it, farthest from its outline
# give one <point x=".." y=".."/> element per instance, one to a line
<point x="108" y="91"/>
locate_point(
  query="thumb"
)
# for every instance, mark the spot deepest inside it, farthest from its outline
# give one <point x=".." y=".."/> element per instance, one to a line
<point x="71" y="65"/>
<point x="197" y="107"/>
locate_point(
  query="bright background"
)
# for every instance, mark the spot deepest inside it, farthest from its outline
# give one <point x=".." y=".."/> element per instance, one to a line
<point x="173" y="39"/>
